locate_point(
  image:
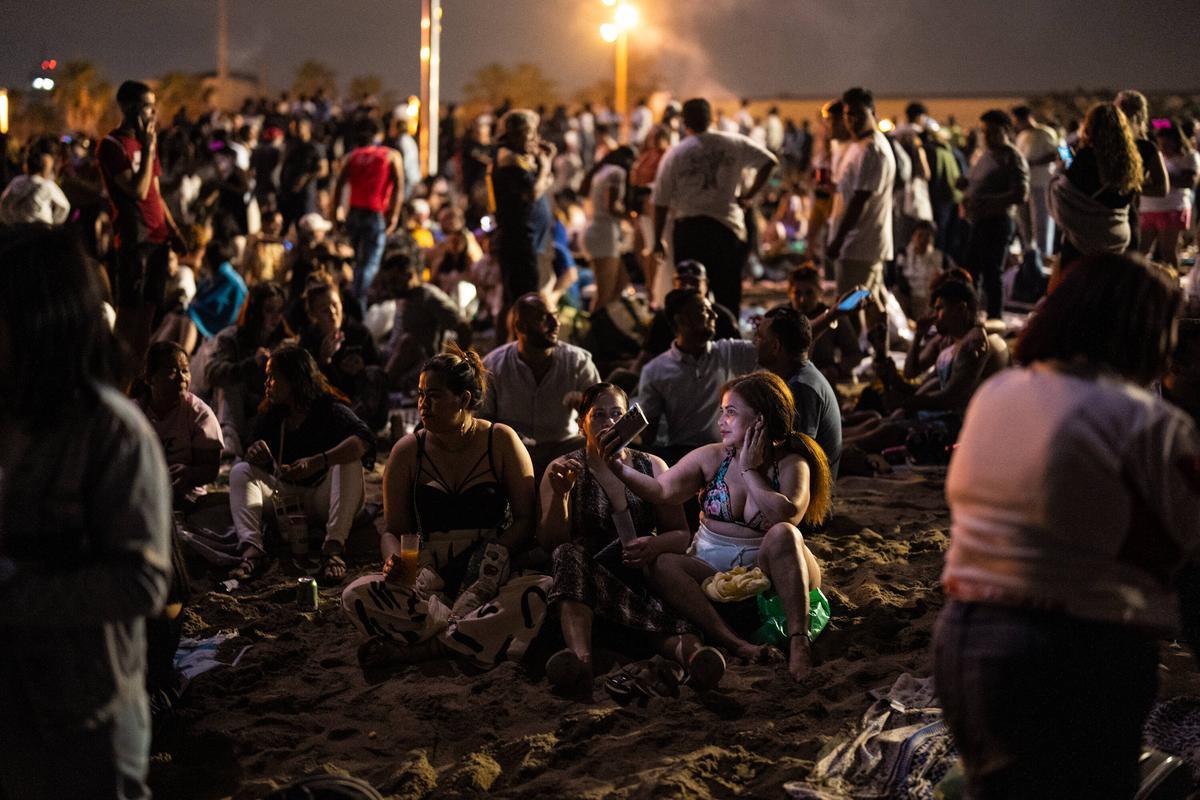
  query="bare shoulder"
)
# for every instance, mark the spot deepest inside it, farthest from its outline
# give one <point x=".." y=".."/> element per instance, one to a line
<point x="405" y="447"/>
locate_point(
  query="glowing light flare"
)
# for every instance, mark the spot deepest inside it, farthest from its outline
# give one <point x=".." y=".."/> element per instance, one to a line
<point x="609" y="2"/>
<point x="609" y="32"/>
<point x="3" y="110"/>
<point x="425" y="53"/>
<point x="414" y="107"/>
<point x="626" y="16"/>
<point x="886" y="126"/>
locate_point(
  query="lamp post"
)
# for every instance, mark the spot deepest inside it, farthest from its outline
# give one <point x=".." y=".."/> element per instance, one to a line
<point x="625" y="18"/>
<point x="431" y="47"/>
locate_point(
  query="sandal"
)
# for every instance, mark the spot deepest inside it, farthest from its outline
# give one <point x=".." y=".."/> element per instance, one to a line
<point x="644" y="680"/>
<point x="251" y="564"/>
<point x="706" y="667"/>
<point x="333" y="569"/>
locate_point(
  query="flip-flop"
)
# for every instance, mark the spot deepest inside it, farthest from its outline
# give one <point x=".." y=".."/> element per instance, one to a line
<point x="324" y="574"/>
<point x="249" y="566"/>
<point x="644" y="680"/>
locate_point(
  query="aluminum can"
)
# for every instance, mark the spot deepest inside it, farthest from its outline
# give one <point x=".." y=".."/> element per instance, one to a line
<point x="307" y="594"/>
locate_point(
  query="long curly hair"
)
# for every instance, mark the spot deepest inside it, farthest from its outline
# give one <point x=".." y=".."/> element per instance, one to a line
<point x="766" y="393"/>
<point x="1106" y="130"/>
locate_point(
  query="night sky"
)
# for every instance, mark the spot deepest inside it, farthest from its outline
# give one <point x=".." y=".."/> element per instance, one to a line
<point x="756" y="48"/>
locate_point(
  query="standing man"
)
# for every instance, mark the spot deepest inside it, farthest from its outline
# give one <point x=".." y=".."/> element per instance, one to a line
<point x="1038" y="144"/>
<point x="866" y="174"/>
<point x="304" y="165"/>
<point x="144" y="229"/>
<point x="698" y="182"/>
<point x="375" y="174"/>
<point x="997" y="182"/>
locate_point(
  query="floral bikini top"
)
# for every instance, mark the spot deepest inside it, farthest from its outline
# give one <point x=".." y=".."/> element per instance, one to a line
<point x="716" y="504"/>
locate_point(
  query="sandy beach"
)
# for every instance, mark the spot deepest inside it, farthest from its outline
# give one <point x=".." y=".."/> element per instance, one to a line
<point x="297" y="702"/>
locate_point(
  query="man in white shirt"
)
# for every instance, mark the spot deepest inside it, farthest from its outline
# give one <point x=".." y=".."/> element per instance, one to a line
<point x="1038" y="143"/>
<point x="698" y="183"/>
<point x="683" y="385"/>
<point x="532" y="381"/>
<point x="34" y="196"/>
<point x="862" y="238"/>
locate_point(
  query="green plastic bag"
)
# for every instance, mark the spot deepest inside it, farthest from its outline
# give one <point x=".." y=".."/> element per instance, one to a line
<point x="774" y="624"/>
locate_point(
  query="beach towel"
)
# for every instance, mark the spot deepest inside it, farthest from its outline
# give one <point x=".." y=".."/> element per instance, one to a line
<point x="902" y="750"/>
<point x="1087" y="223"/>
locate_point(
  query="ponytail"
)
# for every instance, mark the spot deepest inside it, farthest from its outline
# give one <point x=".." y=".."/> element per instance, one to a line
<point x="820" y="482"/>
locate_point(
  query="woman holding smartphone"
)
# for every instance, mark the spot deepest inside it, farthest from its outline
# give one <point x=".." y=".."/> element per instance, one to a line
<point x="757" y="484"/>
<point x="603" y="537"/>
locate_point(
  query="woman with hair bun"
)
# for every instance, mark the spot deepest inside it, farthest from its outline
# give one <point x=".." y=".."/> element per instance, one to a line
<point x="756" y="485"/>
<point x="465" y="486"/>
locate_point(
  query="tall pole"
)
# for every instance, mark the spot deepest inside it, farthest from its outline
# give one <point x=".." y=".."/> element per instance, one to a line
<point x="622" y="83"/>
<point x="431" y="45"/>
<point x="223" y="51"/>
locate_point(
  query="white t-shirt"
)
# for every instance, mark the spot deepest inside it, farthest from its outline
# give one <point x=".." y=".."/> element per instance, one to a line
<point x="32" y="198"/>
<point x="1179" y="196"/>
<point x="1061" y="486"/>
<point x="866" y="165"/>
<point x="1038" y="142"/>
<point x="701" y="176"/>
<point x="606" y="179"/>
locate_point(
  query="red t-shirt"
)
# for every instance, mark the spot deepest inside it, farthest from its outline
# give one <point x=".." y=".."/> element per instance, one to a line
<point x="143" y="220"/>
<point x="369" y="173"/>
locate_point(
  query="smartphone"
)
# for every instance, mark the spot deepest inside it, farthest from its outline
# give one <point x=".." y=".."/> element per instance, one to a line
<point x="853" y="299"/>
<point x="1064" y="154"/>
<point x="630" y="425"/>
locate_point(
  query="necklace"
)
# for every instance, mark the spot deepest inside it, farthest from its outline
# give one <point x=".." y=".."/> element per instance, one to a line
<point x="463" y="435"/>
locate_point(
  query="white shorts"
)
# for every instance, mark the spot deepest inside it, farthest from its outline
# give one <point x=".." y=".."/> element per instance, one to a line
<point x="723" y="553"/>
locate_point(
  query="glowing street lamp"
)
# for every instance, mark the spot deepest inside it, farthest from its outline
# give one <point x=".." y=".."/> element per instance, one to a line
<point x="428" y="104"/>
<point x="625" y="19"/>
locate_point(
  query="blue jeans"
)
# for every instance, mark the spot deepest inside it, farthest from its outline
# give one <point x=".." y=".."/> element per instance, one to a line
<point x="1042" y="705"/>
<point x="368" y="235"/>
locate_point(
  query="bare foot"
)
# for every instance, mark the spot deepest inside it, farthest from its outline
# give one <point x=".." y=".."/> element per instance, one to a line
<point x="799" y="657"/>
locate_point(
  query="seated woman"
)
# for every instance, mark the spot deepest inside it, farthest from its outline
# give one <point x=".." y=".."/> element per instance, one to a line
<point x="756" y="486"/>
<point x="586" y="514"/>
<point x="186" y="426"/>
<point x="465" y="486"/>
<point x="345" y="351"/>
<point x="237" y="367"/>
<point x="191" y="441"/>
<point x="308" y="449"/>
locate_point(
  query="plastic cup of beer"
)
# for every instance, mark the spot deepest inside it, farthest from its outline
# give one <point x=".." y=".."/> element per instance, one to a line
<point x="410" y="551"/>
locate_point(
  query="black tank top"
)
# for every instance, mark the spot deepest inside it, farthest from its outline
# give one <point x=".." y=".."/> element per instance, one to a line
<point x="439" y="506"/>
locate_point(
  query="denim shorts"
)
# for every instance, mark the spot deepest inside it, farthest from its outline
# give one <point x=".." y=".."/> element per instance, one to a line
<point x="723" y="553"/>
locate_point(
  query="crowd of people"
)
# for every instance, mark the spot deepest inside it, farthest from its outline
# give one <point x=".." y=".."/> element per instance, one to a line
<point x="263" y="297"/>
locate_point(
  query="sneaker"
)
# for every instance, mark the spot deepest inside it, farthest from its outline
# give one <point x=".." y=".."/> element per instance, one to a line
<point x="493" y="572"/>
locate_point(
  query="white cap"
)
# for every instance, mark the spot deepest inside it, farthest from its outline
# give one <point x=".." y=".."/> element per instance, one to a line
<point x="313" y="222"/>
